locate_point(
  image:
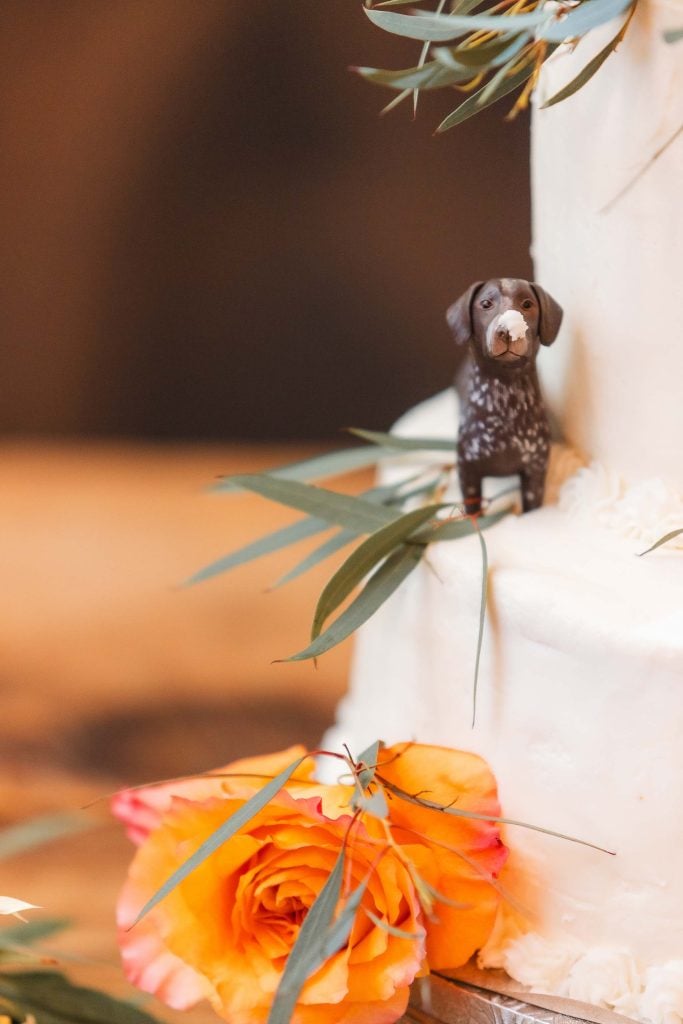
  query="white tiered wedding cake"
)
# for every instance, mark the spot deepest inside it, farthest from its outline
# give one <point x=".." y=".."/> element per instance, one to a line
<point x="580" y="701"/>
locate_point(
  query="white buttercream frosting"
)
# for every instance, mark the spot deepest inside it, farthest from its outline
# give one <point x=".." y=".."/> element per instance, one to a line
<point x="579" y="713"/>
<point x="538" y="963"/>
<point x="580" y="693"/>
<point x="662" y="1000"/>
<point x="608" y="244"/>
<point x="644" y="511"/>
<point x="602" y="975"/>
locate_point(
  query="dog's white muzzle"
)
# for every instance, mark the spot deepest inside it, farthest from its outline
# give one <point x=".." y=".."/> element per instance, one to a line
<point x="506" y="335"/>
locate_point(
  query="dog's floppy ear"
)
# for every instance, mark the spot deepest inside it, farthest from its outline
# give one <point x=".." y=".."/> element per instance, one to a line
<point x="550" y="315"/>
<point x="459" y="315"/>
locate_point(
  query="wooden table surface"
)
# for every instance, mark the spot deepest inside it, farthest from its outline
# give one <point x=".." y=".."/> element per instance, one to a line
<point x="113" y="674"/>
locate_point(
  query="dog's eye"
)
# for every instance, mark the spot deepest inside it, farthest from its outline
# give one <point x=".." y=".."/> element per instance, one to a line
<point x="486" y="303"/>
<point x="528" y="304"/>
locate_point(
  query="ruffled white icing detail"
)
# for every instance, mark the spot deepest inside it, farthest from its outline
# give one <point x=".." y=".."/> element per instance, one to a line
<point x="662" y="1000"/>
<point x="541" y="964"/>
<point x="602" y="976"/>
<point x="564" y="463"/>
<point x="505" y="930"/>
<point x="643" y="511"/>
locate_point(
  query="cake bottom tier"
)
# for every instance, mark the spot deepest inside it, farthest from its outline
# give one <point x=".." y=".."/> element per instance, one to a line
<point x="579" y="712"/>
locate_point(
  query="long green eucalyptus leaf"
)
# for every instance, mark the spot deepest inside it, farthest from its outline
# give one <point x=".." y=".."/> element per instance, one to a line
<point x="581" y="20"/>
<point x="375" y="805"/>
<point x="382" y="495"/>
<point x="366" y="556"/>
<point x="376" y="591"/>
<point x="368" y="757"/>
<point x="482" y="617"/>
<point x="319" y="948"/>
<point x="444" y="27"/>
<point x="30" y="932"/>
<point x="390" y="929"/>
<point x="486" y="55"/>
<point x="51" y="998"/>
<point x="591" y="67"/>
<point x="436" y="896"/>
<point x="306" y="953"/>
<point x="222" y="834"/>
<point x="266" y="545"/>
<point x="460" y="527"/>
<point x="337" y="509"/>
<point x="433" y="75"/>
<point x="396" y="3"/>
<point x="340" y="540"/>
<point x="424" y="53"/>
<point x="473" y="104"/>
<point x="340" y="930"/>
<point x="457" y="6"/>
<point x="393" y="103"/>
<point x="330" y="547"/>
<point x="35" y="831"/>
<point x="317" y="468"/>
<point x="427" y="487"/>
<point x="662" y="540"/>
<point x="405" y="444"/>
<point x="492" y="88"/>
<point x="457" y="813"/>
<point x="391" y="494"/>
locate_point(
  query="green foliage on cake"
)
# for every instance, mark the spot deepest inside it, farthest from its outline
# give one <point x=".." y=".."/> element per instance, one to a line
<point x="487" y="54"/>
<point x="392" y="526"/>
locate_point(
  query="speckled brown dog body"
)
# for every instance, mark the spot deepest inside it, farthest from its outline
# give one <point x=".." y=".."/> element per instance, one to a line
<point x="504" y="428"/>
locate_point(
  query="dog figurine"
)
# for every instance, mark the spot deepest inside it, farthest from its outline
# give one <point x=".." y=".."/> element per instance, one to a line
<point x="504" y="428"/>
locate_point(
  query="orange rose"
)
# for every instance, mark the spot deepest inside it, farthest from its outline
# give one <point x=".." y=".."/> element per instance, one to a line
<point x="466" y="854"/>
<point x="225" y="932"/>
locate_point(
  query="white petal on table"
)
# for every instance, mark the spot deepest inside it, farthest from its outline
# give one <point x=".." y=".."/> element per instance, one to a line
<point x="9" y="905"/>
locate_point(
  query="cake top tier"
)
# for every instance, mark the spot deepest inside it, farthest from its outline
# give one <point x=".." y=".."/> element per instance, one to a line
<point x="608" y="242"/>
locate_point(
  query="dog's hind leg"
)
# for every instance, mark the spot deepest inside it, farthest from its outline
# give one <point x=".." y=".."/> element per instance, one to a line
<point x="533" y="486"/>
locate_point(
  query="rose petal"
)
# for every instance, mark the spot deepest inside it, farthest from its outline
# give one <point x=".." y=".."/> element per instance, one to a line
<point x="142" y="810"/>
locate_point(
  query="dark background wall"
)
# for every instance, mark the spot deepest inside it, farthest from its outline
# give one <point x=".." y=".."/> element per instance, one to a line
<point x="207" y="231"/>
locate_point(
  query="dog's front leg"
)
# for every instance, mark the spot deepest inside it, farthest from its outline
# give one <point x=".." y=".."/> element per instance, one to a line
<point x="470" y="484"/>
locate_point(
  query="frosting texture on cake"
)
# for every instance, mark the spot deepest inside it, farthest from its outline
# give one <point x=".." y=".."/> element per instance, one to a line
<point x="580" y="698"/>
<point x="607" y="164"/>
<point x="579" y="713"/>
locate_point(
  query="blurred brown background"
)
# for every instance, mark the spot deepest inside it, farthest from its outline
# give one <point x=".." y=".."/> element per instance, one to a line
<point x="211" y="240"/>
<point x="209" y="233"/>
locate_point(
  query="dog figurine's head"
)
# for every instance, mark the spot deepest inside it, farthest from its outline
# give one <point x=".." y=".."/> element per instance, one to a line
<point x="505" y="320"/>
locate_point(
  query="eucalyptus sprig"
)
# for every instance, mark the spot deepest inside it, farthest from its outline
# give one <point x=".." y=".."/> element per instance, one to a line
<point x="30" y="988"/>
<point x="391" y="542"/>
<point x="662" y="540"/>
<point x="495" y="50"/>
<point x="48" y="997"/>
